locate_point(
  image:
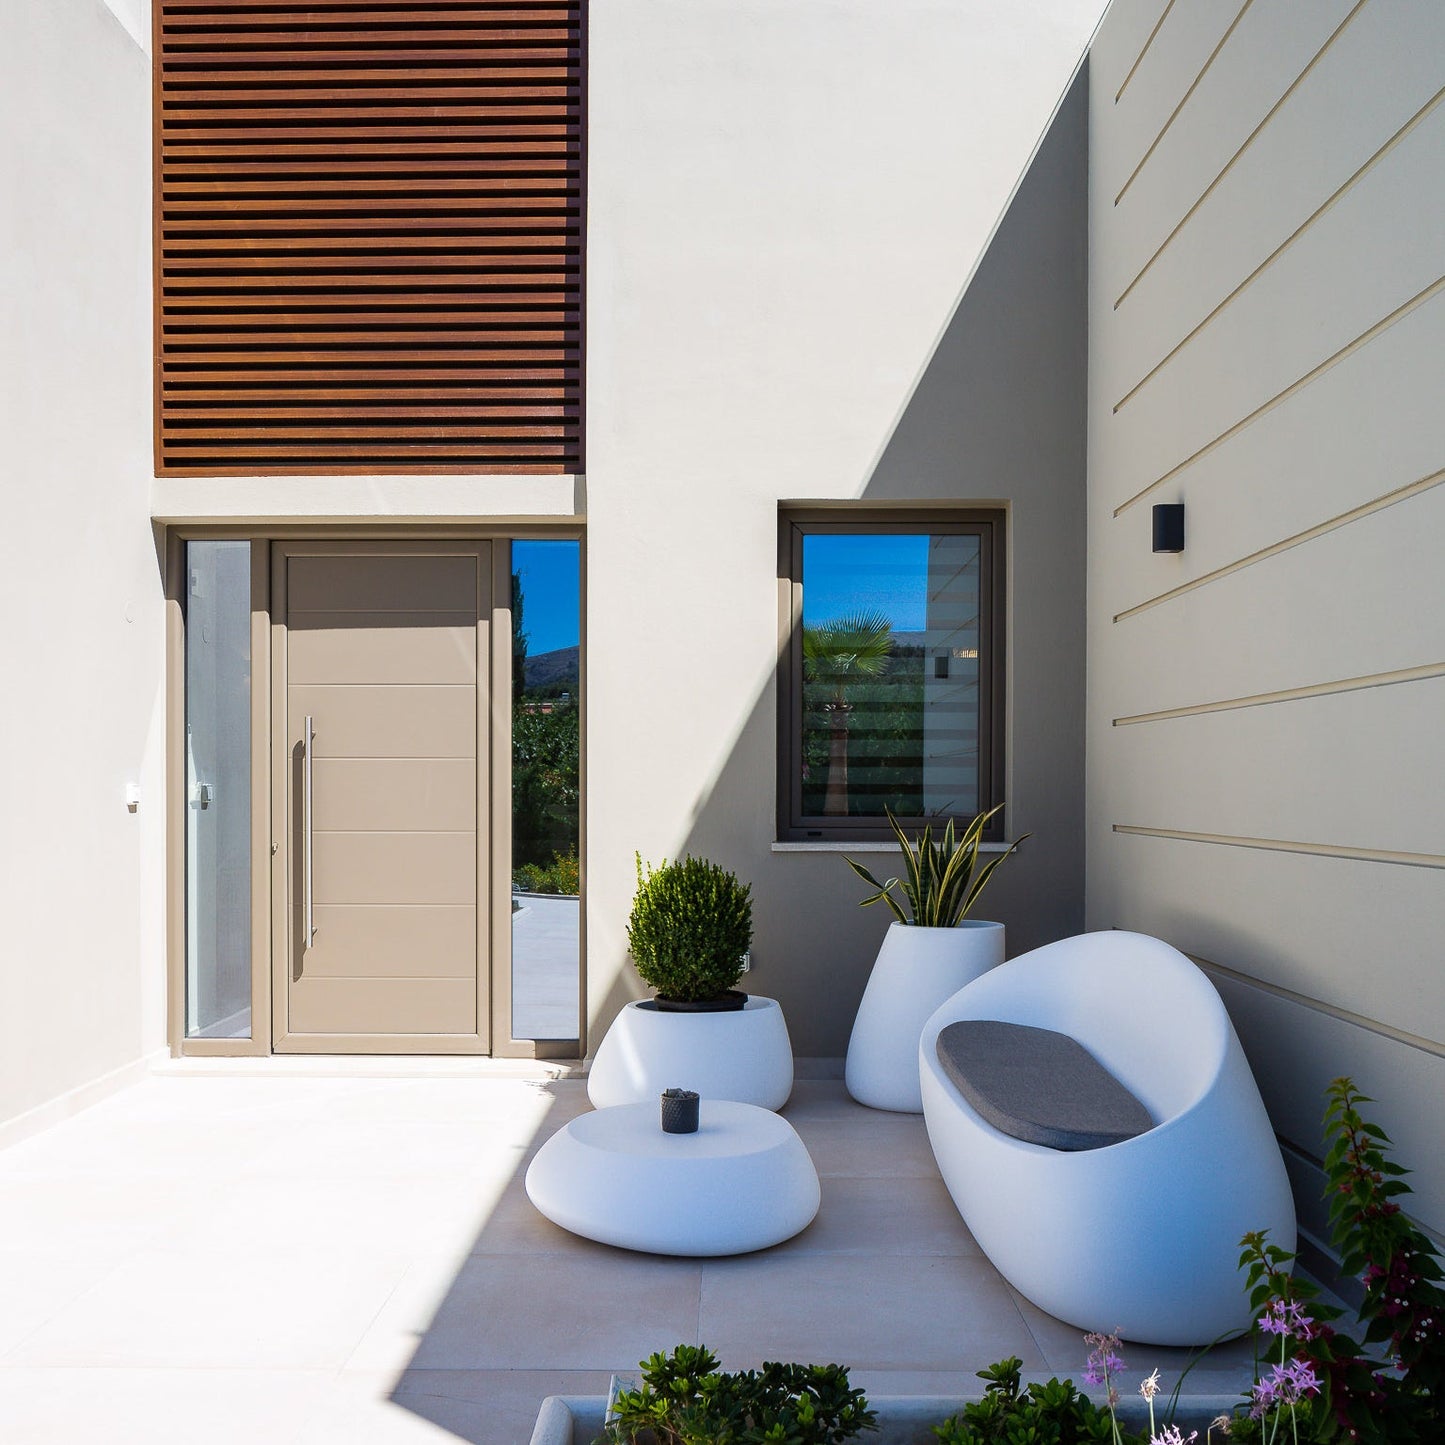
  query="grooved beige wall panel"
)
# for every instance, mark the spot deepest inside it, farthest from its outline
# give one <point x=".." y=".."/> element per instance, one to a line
<point x="1178" y="53"/>
<point x="1312" y="761"/>
<point x="1133" y="27"/>
<point x="1295" y="1051"/>
<point x="1327" y="610"/>
<point x="1231" y="234"/>
<point x="1368" y="427"/>
<point x="1239" y="906"/>
<point x="1255" y="348"/>
<point x="1298" y="312"/>
<point x="1233" y="99"/>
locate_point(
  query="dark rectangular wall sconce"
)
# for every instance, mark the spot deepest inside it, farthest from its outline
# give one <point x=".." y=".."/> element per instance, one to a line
<point x="1169" y="527"/>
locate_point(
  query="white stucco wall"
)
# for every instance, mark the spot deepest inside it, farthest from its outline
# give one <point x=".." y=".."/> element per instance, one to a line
<point x="1266" y="709"/>
<point x="135" y="17"/>
<point x="81" y="956"/>
<point x="786" y="203"/>
<point x="786" y="206"/>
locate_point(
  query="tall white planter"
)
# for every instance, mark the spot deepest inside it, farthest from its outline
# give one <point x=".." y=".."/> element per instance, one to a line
<point x="917" y="969"/>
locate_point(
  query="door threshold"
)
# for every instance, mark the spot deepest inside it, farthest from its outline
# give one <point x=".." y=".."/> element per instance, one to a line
<point x="373" y="1066"/>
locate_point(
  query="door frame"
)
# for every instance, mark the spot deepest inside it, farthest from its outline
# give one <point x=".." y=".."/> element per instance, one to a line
<point x="171" y="542"/>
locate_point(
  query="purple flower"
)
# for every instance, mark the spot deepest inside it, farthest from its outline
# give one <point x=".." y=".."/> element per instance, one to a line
<point x="1170" y="1435"/>
<point x="1104" y="1363"/>
<point x="1103" y="1358"/>
<point x="1286" y="1385"/>
<point x="1302" y="1378"/>
<point x="1264" y="1398"/>
<point x="1286" y="1317"/>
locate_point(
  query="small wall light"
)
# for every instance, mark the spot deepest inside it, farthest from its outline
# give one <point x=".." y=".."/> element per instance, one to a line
<point x="1169" y="527"/>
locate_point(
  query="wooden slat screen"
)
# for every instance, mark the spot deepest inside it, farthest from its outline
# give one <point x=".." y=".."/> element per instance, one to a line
<point x="368" y="236"/>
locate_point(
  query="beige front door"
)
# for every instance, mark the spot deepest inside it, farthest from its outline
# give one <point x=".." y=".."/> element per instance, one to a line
<point x="380" y="662"/>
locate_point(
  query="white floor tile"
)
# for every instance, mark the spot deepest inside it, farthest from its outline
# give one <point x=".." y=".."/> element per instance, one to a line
<point x="342" y="1258"/>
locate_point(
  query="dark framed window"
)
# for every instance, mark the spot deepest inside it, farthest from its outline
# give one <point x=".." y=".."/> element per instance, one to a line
<point x="891" y="689"/>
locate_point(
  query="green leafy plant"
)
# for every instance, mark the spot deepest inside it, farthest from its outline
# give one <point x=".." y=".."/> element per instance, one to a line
<point x="941" y="880"/>
<point x="684" y="1399"/>
<point x="562" y="875"/>
<point x="1050" y="1414"/>
<point x="1324" y="1385"/>
<point x="691" y="925"/>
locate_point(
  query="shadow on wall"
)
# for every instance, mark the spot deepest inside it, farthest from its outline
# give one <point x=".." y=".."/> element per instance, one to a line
<point x="996" y="416"/>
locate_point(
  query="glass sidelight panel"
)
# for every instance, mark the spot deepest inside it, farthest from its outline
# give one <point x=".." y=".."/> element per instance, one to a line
<point x="218" y="790"/>
<point x="546" y="673"/>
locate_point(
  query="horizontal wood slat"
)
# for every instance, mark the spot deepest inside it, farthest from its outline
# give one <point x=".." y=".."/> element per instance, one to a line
<point x="368" y="236"/>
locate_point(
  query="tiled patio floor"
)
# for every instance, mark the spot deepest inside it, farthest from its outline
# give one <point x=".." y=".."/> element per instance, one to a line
<point x="219" y="1258"/>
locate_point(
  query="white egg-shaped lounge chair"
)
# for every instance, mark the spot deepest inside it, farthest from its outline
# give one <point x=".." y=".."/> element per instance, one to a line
<point x="1140" y="1235"/>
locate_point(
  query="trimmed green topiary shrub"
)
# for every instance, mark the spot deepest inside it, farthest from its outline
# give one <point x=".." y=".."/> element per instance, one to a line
<point x="691" y="924"/>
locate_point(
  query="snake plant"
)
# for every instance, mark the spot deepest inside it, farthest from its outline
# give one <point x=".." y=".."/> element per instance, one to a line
<point x="941" y="880"/>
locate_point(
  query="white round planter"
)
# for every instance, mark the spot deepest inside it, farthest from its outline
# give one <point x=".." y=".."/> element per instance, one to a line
<point x="916" y="970"/>
<point x="744" y="1056"/>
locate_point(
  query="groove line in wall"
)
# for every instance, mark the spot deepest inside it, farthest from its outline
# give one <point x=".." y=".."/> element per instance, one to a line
<point x="1249" y="140"/>
<point x="1320" y="529"/>
<point x="1139" y="59"/>
<point x="1412" y="124"/>
<point x="1290" y="694"/>
<point x="1282" y="845"/>
<point x="1184" y="100"/>
<point x="1304" y="1000"/>
<point x="1347" y="350"/>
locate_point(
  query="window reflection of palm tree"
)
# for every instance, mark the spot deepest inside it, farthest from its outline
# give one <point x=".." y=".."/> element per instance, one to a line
<point x="850" y="649"/>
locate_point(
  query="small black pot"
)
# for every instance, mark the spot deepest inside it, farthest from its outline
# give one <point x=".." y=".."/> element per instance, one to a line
<point x="729" y="1002"/>
<point x="679" y="1111"/>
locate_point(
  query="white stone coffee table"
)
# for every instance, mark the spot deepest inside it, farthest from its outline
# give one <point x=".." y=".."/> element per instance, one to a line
<point x="744" y="1181"/>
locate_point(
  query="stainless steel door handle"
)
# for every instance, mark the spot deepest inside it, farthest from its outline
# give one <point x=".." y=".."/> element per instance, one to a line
<point x="306" y="742"/>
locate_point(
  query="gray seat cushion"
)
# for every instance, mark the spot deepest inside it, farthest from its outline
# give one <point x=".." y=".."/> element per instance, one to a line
<point x="1038" y="1085"/>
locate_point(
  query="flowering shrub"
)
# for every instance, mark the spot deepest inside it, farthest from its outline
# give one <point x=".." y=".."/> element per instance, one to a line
<point x="1056" y="1413"/>
<point x="1326" y="1386"/>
